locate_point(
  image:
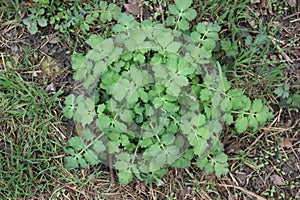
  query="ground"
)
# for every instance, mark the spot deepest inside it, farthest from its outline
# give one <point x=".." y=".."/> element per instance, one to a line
<point x="36" y="76"/>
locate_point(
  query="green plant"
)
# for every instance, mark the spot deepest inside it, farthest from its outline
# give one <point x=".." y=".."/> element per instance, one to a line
<point x="181" y="14"/>
<point x="288" y="98"/>
<point x="158" y="103"/>
<point x="11" y="10"/>
<point x="79" y="16"/>
<point x="69" y="17"/>
<point x="34" y="19"/>
<point x="283" y="91"/>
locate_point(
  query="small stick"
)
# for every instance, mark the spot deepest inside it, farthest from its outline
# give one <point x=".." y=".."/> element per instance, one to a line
<point x="295" y="20"/>
<point x="287" y="58"/>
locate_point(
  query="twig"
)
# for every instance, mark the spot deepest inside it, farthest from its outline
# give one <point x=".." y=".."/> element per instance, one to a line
<point x="235" y="187"/>
<point x="243" y="190"/>
<point x="295" y="20"/>
<point x="287" y="58"/>
<point x="287" y="17"/>
<point x="111" y="170"/>
<point x="162" y="13"/>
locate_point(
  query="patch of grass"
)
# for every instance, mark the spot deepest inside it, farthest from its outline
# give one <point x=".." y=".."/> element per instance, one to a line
<point x="30" y="140"/>
<point x="11" y="11"/>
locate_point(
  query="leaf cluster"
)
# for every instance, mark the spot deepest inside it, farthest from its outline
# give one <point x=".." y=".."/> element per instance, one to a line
<point x="69" y="16"/>
<point x="153" y="108"/>
<point x="180" y="14"/>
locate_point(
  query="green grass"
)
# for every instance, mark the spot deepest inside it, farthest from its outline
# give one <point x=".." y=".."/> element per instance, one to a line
<point x="30" y="144"/>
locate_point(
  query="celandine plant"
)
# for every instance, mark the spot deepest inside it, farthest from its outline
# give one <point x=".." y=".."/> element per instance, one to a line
<point x="152" y="97"/>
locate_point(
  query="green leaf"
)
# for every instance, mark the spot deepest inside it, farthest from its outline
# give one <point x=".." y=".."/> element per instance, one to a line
<point x="122" y="165"/>
<point x="76" y="143"/>
<point x="190" y="14"/>
<point x="121" y="89"/>
<point x="136" y="75"/>
<point x="173" y="10"/>
<point x="170" y="21"/>
<point x="91" y="157"/>
<point x="27" y="21"/>
<point x="199" y="146"/>
<point x="201" y="162"/>
<point x="264" y="115"/>
<point x="294" y="100"/>
<point x="228" y="118"/>
<point x="94" y="40"/>
<point x="183" y="5"/>
<point x="105" y="47"/>
<point x="78" y="60"/>
<point x="185" y="160"/>
<point x="33" y="29"/>
<point x="201" y="28"/>
<point x="70" y="162"/>
<point x="241" y="103"/>
<point x="85" y="112"/>
<point x="103" y="122"/>
<point x="221" y="169"/>
<point x="153" y="150"/>
<point x="98" y="146"/>
<point x="202" y="120"/>
<point x="82" y="162"/>
<point x="174" y="47"/>
<point x="173" y="89"/>
<point x="184" y="68"/>
<point x="42" y="22"/>
<point x="121" y="126"/>
<point x="143" y="95"/>
<point x="181" y="80"/>
<point x="172" y="154"/>
<point x="100" y="109"/>
<point x="87" y="134"/>
<point x="160" y="159"/>
<point x="112" y="148"/>
<point x="170" y="107"/>
<point x="125" y="177"/>
<point x="230" y="48"/>
<point x="125" y="140"/>
<point x="209" y="44"/>
<point x="253" y="122"/>
<point x="209" y="167"/>
<point x="168" y="139"/>
<point x="282" y="91"/>
<point x="183" y="25"/>
<point x="70" y="151"/>
<point x="241" y="124"/>
<point x="159" y="71"/>
<point x="257" y="105"/>
<point x="69" y="108"/>
<point x="164" y="39"/>
<point x="118" y="28"/>
<point x="221" y="158"/>
<point x="205" y="94"/>
<point x="154" y="165"/>
<point x="145" y="142"/>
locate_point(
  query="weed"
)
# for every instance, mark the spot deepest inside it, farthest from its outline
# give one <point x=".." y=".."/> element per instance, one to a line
<point x="287" y="97"/>
<point x="34" y="19"/>
<point x="12" y="10"/>
<point x="147" y="157"/>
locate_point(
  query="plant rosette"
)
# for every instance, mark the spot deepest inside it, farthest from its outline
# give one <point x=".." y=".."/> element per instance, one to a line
<point x="147" y="99"/>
